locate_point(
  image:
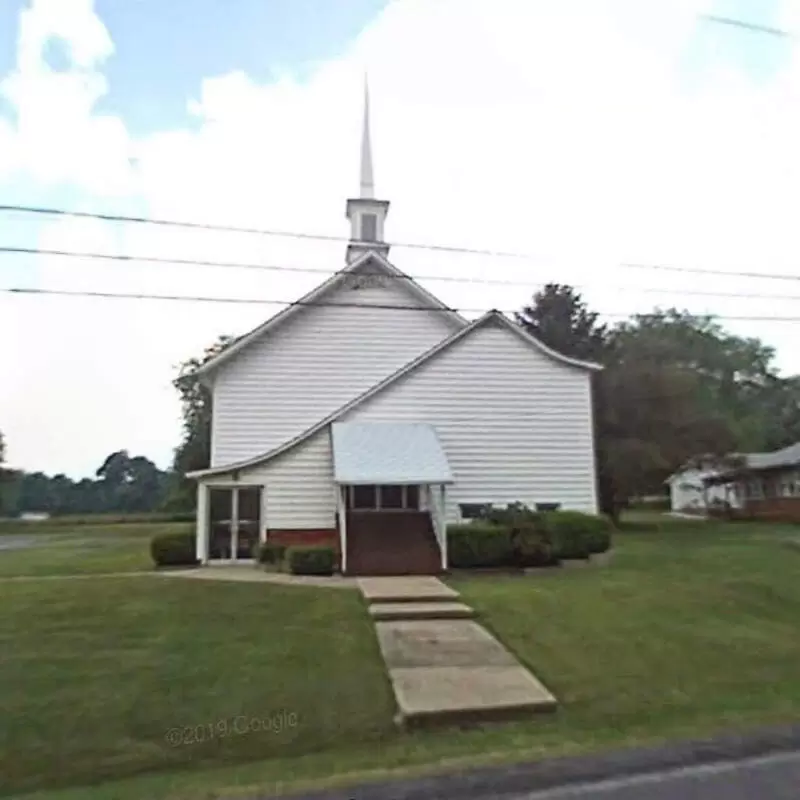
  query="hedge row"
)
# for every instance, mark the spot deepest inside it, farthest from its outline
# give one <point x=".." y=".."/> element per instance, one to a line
<point x="519" y="537"/>
<point x="308" y="560"/>
<point x="178" y="549"/>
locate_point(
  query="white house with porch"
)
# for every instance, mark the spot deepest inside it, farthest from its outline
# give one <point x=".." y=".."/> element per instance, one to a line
<point x="369" y="415"/>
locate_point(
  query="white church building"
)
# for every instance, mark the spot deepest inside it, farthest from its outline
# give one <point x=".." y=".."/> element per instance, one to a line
<point x="369" y="415"/>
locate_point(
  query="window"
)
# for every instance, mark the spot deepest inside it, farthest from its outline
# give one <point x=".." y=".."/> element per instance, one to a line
<point x="364" y="497"/>
<point x="383" y="498"/>
<point x="548" y="506"/>
<point x="369" y="228"/>
<point x="391" y="497"/>
<point x="473" y="510"/>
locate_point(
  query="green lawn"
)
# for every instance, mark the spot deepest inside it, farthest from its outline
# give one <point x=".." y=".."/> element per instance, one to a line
<point x="96" y="673"/>
<point x="80" y="549"/>
<point x="691" y="629"/>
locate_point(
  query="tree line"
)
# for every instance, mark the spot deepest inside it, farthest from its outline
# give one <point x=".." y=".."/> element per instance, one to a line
<point x="121" y="484"/>
<point x="674" y="385"/>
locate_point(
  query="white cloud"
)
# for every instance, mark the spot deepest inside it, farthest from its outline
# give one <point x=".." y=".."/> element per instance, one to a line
<point x="58" y="136"/>
<point x="568" y="130"/>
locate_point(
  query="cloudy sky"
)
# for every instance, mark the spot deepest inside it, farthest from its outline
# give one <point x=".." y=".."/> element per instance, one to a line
<point x="585" y="134"/>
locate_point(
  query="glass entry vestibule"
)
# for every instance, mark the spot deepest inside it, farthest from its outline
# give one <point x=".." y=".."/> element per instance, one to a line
<point x="234" y="522"/>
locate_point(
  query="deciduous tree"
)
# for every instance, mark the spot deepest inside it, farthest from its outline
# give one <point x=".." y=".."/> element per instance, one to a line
<point x="194" y="451"/>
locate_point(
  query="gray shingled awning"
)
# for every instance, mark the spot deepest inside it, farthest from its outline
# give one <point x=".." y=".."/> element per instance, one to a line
<point x="388" y="453"/>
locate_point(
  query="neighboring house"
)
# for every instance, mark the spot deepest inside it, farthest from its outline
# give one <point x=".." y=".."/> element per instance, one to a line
<point x="368" y="415"/>
<point x="765" y="484"/>
<point x="689" y="494"/>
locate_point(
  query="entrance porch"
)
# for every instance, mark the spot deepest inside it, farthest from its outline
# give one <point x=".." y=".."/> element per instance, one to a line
<point x="391" y="498"/>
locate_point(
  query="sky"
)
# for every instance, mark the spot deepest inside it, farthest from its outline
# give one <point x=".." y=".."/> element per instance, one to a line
<point x="583" y="134"/>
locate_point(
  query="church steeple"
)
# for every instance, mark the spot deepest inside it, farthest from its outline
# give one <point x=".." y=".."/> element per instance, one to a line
<point x="367" y="179"/>
<point x="366" y="214"/>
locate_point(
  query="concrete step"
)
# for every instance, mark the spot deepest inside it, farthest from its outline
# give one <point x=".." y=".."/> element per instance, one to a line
<point x="436" y="696"/>
<point x="410" y="589"/>
<point x="456" y="672"/>
<point x="428" y="610"/>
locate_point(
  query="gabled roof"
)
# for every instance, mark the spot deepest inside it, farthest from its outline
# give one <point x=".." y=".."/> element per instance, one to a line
<point x="376" y="260"/>
<point x="495" y="317"/>
<point x="750" y="462"/>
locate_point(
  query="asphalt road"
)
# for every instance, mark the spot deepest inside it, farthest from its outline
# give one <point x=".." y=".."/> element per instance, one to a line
<point x="768" y="778"/>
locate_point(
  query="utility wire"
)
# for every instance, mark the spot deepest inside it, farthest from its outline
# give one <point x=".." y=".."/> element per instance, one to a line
<point x="748" y="26"/>
<point x="57" y="212"/>
<point x="329" y="273"/>
<point x="331" y="238"/>
<point x="323" y="304"/>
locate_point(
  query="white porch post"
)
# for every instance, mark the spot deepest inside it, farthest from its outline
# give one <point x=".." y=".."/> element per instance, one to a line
<point x="443" y="524"/>
<point x="234" y="523"/>
<point x="262" y="533"/>
<point x="201" y="540"/>
<point x="342" y="508"/>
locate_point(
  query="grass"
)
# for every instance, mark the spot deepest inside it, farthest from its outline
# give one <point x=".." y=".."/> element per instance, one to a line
<point x="97" y="673"/>
<point x="83" y="550"/>
<point x="691" y="629"/>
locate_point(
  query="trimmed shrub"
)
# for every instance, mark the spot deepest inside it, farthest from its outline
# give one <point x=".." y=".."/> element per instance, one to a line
<point x="479" y="544"/>
<point x="173" y="550"/>
<point x="532" y="546"/>
<point x="271" y="553"/>
<point x="600" y="536"/>
<point x="577" y="535"/>
<point x="311" y="560"/>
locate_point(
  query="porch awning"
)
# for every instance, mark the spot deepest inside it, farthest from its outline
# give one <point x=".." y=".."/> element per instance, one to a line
<point x="398" y="453"/>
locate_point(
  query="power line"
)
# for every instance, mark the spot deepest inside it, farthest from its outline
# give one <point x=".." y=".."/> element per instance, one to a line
<point x="57" y="212"/>
<point x="322" y="304"/>
<point x="329" y="273"/>
<point x="749" y="26"/>
<point x="331" y="238"/>
<point x="775" y="276"/>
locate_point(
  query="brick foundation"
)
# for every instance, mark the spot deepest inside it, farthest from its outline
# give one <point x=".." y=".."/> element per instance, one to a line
<point x="305" y="537"/>
<point x="776" y="509"/>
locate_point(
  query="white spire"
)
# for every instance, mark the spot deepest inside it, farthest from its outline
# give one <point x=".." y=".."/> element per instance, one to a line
<point x="367" y="180"/>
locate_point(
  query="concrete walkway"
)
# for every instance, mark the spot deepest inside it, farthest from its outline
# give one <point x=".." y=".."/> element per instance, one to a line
<point x="247" y="573"/>
<point x="443" y="666"/>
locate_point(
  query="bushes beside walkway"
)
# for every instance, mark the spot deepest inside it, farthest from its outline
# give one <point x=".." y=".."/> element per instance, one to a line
<point x="518" y="537"/>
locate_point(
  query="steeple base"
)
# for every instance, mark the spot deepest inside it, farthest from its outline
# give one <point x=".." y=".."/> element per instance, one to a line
<point x="356" y="250"/>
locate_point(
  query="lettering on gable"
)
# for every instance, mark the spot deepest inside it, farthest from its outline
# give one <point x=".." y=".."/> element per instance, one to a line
<point x="365" y="281"/>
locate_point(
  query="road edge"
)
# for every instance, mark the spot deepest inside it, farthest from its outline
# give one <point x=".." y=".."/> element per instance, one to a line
<point x="568" y="770"/>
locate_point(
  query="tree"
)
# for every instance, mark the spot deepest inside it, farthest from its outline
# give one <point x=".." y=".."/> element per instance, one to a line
<point x="656" y="403"/>
<point x="736" y="372"/>
<point x="130" y="484"/>
<point x="194" y="451"/>
<point x="124" y="484"/>
<point x="779" y="403"/>
<point x="652" y="422"/>
<point x="559" y="318"/>
<point x="9" y="484"/>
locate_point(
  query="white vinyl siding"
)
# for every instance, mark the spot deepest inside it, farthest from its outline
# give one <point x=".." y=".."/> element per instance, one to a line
<point x="515" y="424"/>
<point x="314" y="363"/>
<point x="300" y="493"/>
